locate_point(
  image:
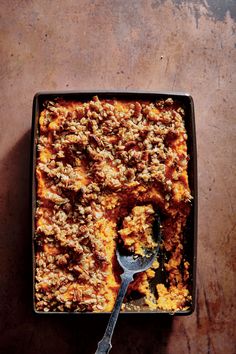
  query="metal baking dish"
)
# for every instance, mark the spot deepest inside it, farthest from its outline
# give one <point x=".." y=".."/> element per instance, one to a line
<point x="190" y="243"/>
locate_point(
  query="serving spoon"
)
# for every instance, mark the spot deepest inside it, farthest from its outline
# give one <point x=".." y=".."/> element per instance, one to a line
<point x="131" y="265"/>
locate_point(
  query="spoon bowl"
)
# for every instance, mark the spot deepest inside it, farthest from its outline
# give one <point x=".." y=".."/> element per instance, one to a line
<point x="131" y="262"/>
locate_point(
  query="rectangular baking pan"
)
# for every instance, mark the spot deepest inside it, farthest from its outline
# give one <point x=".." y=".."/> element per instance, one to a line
<point x="191" y="229"/>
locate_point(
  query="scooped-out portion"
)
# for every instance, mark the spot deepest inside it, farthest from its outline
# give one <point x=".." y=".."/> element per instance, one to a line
<point x="137" y="230"/>
<point x="100" y="162"/>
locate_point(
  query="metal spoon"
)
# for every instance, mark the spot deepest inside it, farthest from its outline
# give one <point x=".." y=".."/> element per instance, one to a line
<point x="131" y="264"/>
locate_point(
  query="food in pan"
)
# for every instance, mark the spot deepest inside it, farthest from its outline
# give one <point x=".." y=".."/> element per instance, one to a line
<point x="104" y="168"/>
<point x="137" y="230"/>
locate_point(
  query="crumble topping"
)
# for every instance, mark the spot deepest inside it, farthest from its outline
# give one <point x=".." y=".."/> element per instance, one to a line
<point x="100" y="162"/>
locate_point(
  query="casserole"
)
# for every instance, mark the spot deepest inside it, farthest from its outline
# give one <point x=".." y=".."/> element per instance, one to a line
<point x="188" y="255"/>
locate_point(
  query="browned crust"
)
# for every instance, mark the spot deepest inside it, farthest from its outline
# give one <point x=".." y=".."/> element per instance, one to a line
<point x="97" y="160"/>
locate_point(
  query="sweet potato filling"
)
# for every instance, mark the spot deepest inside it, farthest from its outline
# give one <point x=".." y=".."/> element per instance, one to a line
<point x="104" y="168"/>
<point x="137" y="230"/>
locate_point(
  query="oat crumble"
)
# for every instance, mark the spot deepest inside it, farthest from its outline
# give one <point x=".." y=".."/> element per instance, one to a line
<point x="100" y="162"/>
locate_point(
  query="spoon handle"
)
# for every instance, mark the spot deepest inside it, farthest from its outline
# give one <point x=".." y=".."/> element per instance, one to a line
<point x="104" y="346"/>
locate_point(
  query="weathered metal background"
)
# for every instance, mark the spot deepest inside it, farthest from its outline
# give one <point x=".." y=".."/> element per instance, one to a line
<point x="147" y="45"/>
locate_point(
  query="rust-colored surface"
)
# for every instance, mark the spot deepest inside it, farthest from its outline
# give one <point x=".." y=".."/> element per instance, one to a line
<point x="146" y="45"/>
